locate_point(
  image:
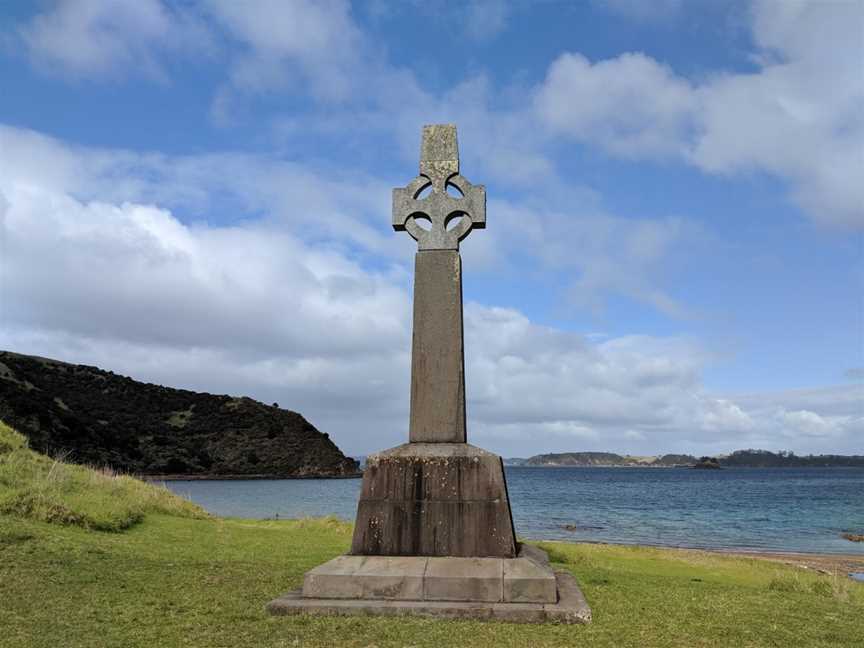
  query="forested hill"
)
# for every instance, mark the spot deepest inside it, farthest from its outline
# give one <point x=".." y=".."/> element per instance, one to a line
<point x="101" y="418"/>
<point x="766" y="459"/>
<point x="739" y="459"/>
<point x="608" y="459"/>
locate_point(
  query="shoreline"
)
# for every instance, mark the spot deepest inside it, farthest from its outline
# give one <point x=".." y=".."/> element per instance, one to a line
<point x="233" y="477"/>
<point x="677" y="466"/>
<point x="779" y="554"/>
<point x="822" y="562"/>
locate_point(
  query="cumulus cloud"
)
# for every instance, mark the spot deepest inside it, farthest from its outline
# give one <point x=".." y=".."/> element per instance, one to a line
<point x="594" y="254"/>
<point x="248" y="274"/>
<point x="345" y="206"/>
<point x="97" y="267"/>
<point x="272" y="44"/>
<point x="194" y="286"/>
<point x="317" y="40"/>
<point x="104" y="39"/>
<point x="824" y="415"/>
<point x="632" y="105"/>
<point x="525" y="373"/>
<point x="798" y="117"/>
<point x="805" y="422"/>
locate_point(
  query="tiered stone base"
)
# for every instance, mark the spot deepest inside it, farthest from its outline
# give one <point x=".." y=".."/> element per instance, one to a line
<point x="434" y="499"/>
<point x="520" y="590"/>
<point x="434" y="537"/>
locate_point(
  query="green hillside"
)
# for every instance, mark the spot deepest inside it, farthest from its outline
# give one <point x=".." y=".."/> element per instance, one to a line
<point x="38" y="487"/>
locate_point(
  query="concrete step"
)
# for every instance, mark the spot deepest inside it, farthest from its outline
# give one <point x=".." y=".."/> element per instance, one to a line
<point x="570" y="607"/>
<point x="525" y="579"/>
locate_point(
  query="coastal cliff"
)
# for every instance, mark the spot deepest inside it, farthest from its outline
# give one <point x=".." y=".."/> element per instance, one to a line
<point x="98" y="417"/>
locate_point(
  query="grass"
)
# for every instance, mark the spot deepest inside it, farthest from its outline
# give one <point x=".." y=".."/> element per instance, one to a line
<point x="38" y="487"/>
<point x="175" y="578"/>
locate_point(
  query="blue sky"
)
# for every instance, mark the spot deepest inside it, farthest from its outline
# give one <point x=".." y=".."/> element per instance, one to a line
<point x="197" y="193"/>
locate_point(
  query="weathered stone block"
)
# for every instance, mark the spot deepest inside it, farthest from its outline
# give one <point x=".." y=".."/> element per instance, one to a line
<point x="463" y="579"/>
<point x="334" y="579"/>
<point x="518" y="612"/>
<point x="570" y="608"/>
<point x="368" y="577"/>
<point x="393" y="577"/>
<point x="434" y="500"/>
<point x="525" y="581"/>
<point x="414" y="578"/>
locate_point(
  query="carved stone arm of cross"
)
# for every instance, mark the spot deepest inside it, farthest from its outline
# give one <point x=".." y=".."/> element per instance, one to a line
<point x="439" y="169"/>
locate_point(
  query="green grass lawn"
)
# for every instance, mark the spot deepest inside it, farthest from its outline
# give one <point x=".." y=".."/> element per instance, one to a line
<point x="175" y="578"/>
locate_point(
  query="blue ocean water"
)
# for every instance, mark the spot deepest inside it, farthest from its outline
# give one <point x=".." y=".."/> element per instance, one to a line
<point x="771" y="509"/>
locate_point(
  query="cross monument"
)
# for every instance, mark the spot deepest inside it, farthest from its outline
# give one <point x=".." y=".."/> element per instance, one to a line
<point x="434" y="534"/>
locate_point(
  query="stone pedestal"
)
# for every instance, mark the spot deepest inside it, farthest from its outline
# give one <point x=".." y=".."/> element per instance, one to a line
<point x="520" y="590"/>
<point x="434" y="499"/>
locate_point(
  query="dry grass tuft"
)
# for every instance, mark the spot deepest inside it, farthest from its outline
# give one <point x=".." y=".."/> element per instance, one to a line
<point x="50" y="489"/>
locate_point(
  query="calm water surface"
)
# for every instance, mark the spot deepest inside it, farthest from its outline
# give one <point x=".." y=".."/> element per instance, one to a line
<point x="774" y="509"/>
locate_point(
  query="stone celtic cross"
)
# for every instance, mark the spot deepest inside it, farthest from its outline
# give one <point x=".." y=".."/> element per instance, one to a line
<point x="437" y="354"/>
<point x="439" y="170"/>
<point x="436" y="495"/>
<point x="434" y="534"/>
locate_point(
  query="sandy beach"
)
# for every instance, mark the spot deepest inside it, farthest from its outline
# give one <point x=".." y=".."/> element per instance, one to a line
<point x="825" y="563"/>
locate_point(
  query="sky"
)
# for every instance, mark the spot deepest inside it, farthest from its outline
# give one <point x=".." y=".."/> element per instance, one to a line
<point x="197" y="194"/>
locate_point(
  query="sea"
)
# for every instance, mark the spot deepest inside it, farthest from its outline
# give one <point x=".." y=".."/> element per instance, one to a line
<point x="755" y="509"/>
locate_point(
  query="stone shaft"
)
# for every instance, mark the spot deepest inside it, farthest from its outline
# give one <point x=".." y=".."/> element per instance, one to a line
<point x="434" y="499"/>
<point x="437" y="354"/>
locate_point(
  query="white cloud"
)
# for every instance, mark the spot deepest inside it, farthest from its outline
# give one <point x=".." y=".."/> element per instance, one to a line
<point x="799" y="117"/>
<point x="106" y="38"/>
<point x="595" y="255"/>
<point x="796" y="117"/>
<point x="344" y="206"/>
<point x="807" y="423"/>
<point x="528" y="374"/>
<point x="97" y="268"/>
<point x="846" y="401"/>
<point x="317" y="40"/>
<point x="631" y="105"/>
<point x="168" y="279"/>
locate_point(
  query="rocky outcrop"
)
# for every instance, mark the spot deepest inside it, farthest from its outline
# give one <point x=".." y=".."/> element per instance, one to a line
<point x="101" y="418"/>
<point x="708" y="463"/>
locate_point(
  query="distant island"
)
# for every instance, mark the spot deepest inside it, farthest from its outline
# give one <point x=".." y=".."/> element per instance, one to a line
<point x="97" y="417"/>
<point x="738" y="459"/>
